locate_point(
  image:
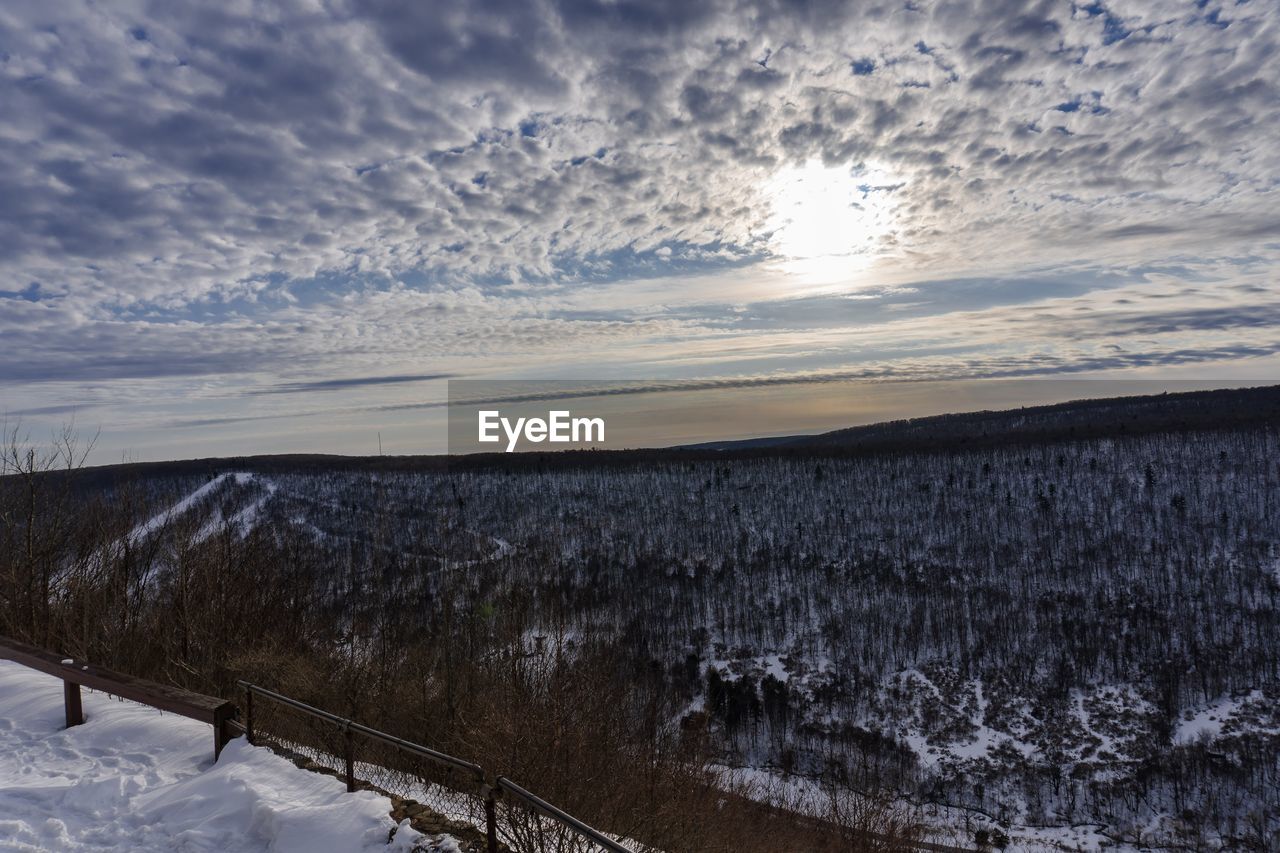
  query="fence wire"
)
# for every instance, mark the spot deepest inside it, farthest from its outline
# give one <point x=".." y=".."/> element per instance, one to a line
<point x="527" y="829"/>
<point x="439" y="795"/>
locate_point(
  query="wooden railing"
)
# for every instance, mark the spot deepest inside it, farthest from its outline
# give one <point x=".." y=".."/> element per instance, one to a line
<point x="218" y="713"/>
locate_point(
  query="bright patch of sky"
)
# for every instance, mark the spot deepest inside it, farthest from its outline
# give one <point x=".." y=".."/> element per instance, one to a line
<point x="203" y="202"/>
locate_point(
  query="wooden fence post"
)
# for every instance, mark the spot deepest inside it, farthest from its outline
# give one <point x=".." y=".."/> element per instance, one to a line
<point x="221" y="718"/>
<point x="71" y="699"/>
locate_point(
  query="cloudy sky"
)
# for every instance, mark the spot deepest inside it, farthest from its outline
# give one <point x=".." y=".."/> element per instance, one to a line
<point x="236" y="227"/>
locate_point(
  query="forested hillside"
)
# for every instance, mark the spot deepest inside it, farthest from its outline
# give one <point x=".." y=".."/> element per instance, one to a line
<point x="1052" y="633"/>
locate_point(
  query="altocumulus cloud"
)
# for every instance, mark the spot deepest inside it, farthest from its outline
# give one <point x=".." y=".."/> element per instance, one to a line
<point x="407" y="189"/>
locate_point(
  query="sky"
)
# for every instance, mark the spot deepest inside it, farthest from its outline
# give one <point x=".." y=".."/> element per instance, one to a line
<point x="237" y="227"/>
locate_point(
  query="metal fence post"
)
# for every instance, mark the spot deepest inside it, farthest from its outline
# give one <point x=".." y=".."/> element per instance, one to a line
<point x="248" y="715"/>
<point x="350" y="751"/>
<point x="490" y="819"/>
<point x="566" y="827"/>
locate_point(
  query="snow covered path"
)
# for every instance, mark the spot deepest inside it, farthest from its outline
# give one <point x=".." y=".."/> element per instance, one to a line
<point x="132" y="778"/>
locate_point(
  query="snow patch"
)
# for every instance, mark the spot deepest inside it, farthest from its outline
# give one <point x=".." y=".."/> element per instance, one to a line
<point x="132" y="778"/>
<point x="1207" y="721"/>
<point x="163" y="519"/>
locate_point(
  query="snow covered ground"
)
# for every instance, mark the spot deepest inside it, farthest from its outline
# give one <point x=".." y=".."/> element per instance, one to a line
<point x="132" y="778"/>
<point x="243" y="521"/>
<point x="948" y="825"/>
<point x="1208" y="721"/>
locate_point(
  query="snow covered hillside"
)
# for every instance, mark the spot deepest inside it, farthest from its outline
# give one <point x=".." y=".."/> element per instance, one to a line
<point x="132" y="778"/>
<point x="1065" y="634"/>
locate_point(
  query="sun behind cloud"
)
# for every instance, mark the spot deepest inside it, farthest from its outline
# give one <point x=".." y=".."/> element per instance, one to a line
<point x="828" y="223"/>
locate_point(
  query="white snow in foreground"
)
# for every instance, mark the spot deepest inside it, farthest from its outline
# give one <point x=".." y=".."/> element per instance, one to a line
<point x="132" y="778"/>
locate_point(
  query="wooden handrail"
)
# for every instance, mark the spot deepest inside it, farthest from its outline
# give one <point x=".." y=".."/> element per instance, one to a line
<point x="76" y="673"/>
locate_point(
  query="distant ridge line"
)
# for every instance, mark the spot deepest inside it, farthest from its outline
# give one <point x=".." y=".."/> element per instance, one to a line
<point x="1108" y="417"/>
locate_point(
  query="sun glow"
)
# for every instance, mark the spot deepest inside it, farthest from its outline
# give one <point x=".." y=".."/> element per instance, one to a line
<point x="829" y="224"/>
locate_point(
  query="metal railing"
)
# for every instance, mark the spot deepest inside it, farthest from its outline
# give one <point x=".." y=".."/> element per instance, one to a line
<point x="487" y="813"/>
<point x="510" y="791"/>
<point x="449" y="794"/>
